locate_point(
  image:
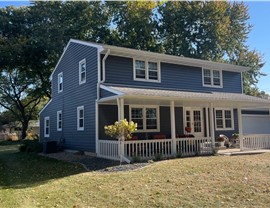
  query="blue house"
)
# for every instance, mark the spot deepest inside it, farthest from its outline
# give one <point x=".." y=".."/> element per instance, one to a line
<point x="181" y="105"/>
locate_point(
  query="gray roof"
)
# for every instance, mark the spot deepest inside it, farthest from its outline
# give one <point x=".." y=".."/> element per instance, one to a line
<point x="177" y="94"/>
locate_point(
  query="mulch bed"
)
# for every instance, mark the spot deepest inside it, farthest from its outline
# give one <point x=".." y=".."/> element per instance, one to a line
<point x="91" y="163"/>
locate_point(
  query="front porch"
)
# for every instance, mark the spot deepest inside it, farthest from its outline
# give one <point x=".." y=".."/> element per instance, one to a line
<point x="185" y="147"/>
<point x="163" y="117"/>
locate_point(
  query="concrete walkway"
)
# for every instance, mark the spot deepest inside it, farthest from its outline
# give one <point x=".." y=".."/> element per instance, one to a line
<point x="232" y="152"/>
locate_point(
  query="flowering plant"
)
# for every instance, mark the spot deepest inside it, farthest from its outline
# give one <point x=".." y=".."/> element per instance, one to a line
<point x="188" y="129"/>
<point x="120" y="129"/>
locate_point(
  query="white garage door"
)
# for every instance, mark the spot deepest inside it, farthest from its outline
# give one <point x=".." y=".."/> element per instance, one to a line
<point x="256" y="124"/>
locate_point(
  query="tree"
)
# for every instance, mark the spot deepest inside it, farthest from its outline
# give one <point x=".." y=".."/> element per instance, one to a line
<point x="134" y="25"/>
<point x="18" y="95"/>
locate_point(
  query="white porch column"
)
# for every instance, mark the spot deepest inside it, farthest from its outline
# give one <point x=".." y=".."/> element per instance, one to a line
<point x="212" y="126"/>
<point x="120" y="105"/>
<point x="172" y="111"/>
<point x="207" y="121"/>
<point x="121" y="147"/>
<point x="240" y="127"/>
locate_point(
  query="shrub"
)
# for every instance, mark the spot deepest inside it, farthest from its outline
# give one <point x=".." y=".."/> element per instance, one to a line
<point x="31" y="146"/>
<point x="136" y="159"/>
<point x="179" y="154"/>
<point x="158" y="157"/>
<point x="120" y="129"/>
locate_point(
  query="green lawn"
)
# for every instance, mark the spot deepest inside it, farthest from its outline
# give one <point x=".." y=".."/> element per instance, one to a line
<point x="28" y="180"/>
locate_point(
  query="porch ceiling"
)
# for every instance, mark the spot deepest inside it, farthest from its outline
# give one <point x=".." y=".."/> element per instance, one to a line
<point x="183" y="98"/>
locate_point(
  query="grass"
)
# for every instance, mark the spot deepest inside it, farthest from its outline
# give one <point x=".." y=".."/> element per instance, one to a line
<point x="28" y="180"/>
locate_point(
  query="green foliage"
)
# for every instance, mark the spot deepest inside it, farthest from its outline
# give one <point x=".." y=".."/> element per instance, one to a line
<point x="32" y="145"/>
<point x="136" y="159"/>
<point x="179" y="154"/>
<point x="122" y="128"/>
<point x="158" y="157"/>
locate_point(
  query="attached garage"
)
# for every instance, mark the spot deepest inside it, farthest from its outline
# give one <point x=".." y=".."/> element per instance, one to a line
<point x="256" y="121"/>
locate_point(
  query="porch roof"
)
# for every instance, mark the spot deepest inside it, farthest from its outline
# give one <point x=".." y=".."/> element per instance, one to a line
<point x="132" y="92"/>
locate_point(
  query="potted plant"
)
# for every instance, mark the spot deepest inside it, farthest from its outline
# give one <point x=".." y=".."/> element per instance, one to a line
<point x="221" y="141"/>
<point x="188" y="129"/>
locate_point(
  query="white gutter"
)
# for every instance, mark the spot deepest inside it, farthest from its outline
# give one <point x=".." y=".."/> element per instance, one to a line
<point x="103" y="66"/>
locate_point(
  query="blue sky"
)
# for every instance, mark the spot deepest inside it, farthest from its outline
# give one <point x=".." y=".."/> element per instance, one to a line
<point x="259" y="12"/>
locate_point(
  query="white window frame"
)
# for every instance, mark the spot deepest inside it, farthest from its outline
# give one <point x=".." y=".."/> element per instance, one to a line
<point x="223" y="118"/>
<point x="78" y="118"/>
<point x="146" y="71"/>
<point x="58" y="120"/>
<point x="212" y="78"/>
<point x="80" y="71"/>
<point x="60" y="75"/>
<point x="47" y="118"/>
<point x="144" y="117"/>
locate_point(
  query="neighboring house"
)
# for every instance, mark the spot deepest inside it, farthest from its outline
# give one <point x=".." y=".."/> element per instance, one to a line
<point x="14" y="128"/>
<point x="94" y="85"/>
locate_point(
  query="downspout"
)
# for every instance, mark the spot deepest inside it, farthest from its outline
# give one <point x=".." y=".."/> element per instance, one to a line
<point x="103" y="66"/>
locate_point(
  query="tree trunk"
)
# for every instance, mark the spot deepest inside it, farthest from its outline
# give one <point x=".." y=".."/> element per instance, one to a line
<point x="24" y="129"/>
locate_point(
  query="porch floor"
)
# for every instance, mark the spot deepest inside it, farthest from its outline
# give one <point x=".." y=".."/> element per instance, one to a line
<point x="236" y="151"/>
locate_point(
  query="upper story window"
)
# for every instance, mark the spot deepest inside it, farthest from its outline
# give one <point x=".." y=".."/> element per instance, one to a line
<point x="146" y="71"/>
<point x="212" y="78"/>
<point x="47" y="126"/>
<point x="82" y="71"/>
<point x="60" y="82"/>
<point x="80" y="118"/>
<point x="59" y="120"/>
<point x="224" y="119"/>
<point x="146" y="117"/>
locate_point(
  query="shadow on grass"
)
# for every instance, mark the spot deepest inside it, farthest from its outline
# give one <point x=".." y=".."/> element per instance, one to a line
<point x="21" y="170"/>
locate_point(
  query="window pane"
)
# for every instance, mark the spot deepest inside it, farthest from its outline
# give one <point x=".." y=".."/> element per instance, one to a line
<point x="151" y="112"/>
<point x="140" y="73"/>
<point x="228" y="123"/>
<point x="82" y="76"/>
<point x="47" y="130"/>
<point x="153" y="75"/>
<point x="218" y="113"/>
<point x="151" y="124"/>
<point x="216" y="74"/>
<point x="207" y="80"/>
<point x="140" y="64"/>
<point x="81" y="113"/>
<point x="152" y="66"/>
<point x="216" y="81"/>
<point x="81" y="123"/>
<point x="83" y="67"/>
<point x="59" y="125"/>
<point x="219" y="123"/>
<point x="228" y="114"/>
<point x="206" y="73"/>
<point x="136" y="113"/>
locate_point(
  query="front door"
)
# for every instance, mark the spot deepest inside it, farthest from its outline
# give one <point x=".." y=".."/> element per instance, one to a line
<point x="193" y="118"/>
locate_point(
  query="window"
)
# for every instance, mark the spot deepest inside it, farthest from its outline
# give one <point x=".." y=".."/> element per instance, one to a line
<point x="82" y="71"/>
<point x="80" y="118"/>
<point x="47" y="127"/>
<point x="60" y="82"/>
<point x="212" y="78"/>
<point x="146" y="117"/>
<point x="224" y="119"/>
<point x="59" y="121"/>
<point x="146" y="71"/>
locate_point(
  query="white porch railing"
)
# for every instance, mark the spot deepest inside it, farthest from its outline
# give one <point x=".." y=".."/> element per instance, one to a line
<point x="194" y="146"/>
<point x="108" y="149"/>
<point x="148" y="149"/>
<point x="256" y="141"/>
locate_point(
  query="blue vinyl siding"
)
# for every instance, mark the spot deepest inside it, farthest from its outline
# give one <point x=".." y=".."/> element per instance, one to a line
<point x="73" y="96"/>
<point x="119" y="70"/>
